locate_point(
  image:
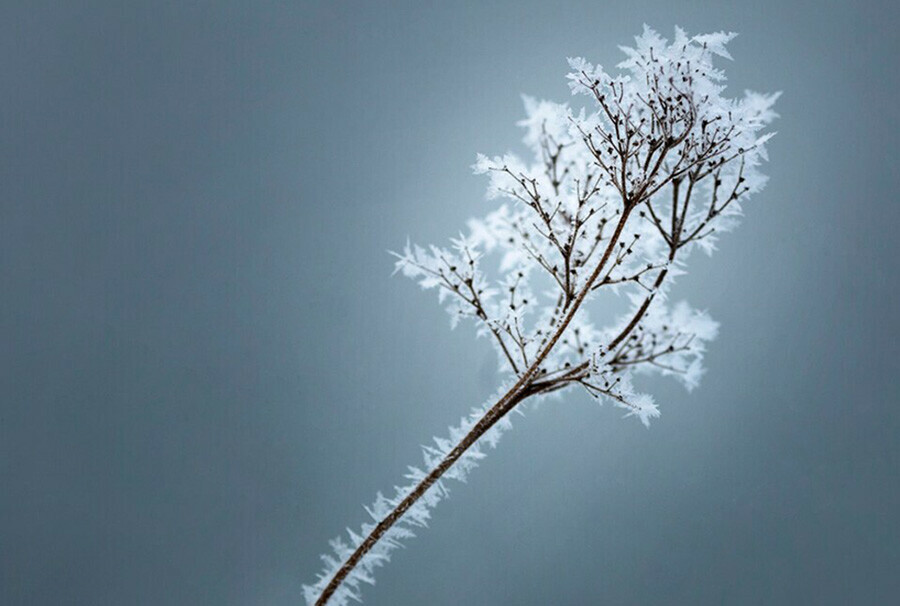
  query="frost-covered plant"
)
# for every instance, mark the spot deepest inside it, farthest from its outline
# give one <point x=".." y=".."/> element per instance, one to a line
<point x="615" y="198"/>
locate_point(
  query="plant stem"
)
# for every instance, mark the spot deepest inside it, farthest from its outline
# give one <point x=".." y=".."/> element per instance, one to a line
<point x="512" y="398"/>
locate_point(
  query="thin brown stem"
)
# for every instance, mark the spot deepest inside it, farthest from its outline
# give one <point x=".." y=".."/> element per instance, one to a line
<point x="503" y="406"/>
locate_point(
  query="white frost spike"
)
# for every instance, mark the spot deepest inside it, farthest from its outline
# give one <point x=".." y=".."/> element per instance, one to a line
<point x="643" y="408"/>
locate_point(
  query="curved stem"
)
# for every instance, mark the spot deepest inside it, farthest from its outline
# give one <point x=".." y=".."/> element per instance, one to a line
<point x="516" y="394"/>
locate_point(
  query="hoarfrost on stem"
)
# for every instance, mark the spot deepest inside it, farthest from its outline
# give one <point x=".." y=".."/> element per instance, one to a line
<point x="613" y="199"/>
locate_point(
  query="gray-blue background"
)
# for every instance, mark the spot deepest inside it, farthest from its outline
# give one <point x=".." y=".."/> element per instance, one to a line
<point x="206" y="368"/>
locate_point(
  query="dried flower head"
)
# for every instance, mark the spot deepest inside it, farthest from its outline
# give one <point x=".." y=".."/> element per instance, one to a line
<point x="613" y="199"/>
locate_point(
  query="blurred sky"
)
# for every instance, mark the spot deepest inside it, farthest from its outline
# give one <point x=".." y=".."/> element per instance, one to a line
<point x="206" y="368"/>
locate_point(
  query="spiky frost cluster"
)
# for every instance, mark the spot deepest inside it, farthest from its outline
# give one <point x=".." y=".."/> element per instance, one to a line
<point x="660" y="138"/>
<point x="658" y="164"/>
